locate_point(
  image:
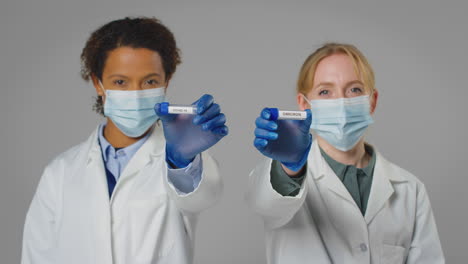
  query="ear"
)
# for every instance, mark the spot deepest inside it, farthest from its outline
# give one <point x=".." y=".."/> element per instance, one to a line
<point x="374" y="101"/>
<point x="97" y="85"/>
<point x="301" y="102"/>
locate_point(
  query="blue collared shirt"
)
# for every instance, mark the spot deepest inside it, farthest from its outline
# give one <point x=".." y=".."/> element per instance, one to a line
<point x="185" y="180"/>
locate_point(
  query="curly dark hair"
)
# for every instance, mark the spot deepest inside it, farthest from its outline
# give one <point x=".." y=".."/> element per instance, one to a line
<point x="139" y="32"/>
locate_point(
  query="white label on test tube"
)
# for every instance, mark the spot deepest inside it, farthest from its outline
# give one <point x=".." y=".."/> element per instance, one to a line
<point x="190" y="110"/>
<point x="294" y="115"/>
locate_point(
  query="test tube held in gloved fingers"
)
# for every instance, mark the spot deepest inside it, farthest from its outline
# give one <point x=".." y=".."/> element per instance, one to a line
<point x="277" y="114"/>
<point x="167" y="108"/>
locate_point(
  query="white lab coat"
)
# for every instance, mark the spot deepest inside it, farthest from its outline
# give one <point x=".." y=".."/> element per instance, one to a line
<point x="323" y="224"/>
<point x="72" y="220"/>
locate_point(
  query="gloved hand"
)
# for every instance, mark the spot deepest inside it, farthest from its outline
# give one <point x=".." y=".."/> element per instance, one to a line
<point x="188" y="135"/>
<point x="287" y="141"/>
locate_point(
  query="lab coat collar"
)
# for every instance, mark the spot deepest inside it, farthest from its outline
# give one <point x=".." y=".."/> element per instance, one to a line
<point x="385" y="175"/>
<point x="154" y="146"/>
<point x="321" y="171"/>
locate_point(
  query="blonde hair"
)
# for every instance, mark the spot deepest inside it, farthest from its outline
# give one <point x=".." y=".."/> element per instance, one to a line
<point x="361" y="65"/>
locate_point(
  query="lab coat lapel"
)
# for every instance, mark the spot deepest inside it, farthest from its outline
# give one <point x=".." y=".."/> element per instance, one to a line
<point x="381" y="189"/>
<point x="322" y="171"/>
<point x="154" y="146"/>
<point x="97" y="184"/>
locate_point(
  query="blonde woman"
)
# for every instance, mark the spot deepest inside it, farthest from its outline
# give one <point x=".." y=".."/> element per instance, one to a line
<point x="332" y="197"/>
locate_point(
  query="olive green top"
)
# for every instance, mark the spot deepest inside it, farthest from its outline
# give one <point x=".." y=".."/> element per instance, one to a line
<point x="357" y="181"/>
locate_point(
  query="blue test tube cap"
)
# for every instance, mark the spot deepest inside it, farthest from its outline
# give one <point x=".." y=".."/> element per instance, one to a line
<point x="164" y="108"/>
<point x="274" y="113"/>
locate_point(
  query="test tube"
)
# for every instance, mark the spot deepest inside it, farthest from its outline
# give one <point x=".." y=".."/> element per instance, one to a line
<point x="277" y="114"/>
<point x="167" y="108"/>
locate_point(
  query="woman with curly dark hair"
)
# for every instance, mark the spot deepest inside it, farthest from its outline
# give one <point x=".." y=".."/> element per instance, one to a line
<point x="131" y="193"/>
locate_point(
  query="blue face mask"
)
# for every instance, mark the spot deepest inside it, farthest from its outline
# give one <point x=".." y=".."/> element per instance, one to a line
<point x="133" y="111"/>
<point x="341" y="122"/>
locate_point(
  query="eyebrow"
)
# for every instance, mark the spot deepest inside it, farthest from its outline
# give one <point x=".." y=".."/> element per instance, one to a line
<point x="116" y="75"/>
<point x="354" y="82"/>
<point x="123" y="76"/>
<point x="151" y="74"/>
<point x="323" y="84"/>
<point x="331" y="84"/>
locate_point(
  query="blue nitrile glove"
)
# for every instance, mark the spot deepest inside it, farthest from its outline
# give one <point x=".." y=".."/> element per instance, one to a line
<point x="188" y="135"/>
<point x="287" y="141"/>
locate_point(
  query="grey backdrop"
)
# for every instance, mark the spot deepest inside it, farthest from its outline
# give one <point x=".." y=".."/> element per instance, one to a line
<point x="247" y="54"/>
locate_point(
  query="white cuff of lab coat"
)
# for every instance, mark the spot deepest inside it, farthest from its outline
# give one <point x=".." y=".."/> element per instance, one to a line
<point x="186" y="180"/>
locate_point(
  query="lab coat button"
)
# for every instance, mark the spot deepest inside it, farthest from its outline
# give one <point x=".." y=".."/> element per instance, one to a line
<point x="363" y="247"/>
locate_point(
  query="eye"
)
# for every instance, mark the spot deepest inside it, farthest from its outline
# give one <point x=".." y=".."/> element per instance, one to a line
<point x="119" y="82"/>
<point x="324" y="92"/>
<point x="356" y="90"/>
<point x="152" y="82"/>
